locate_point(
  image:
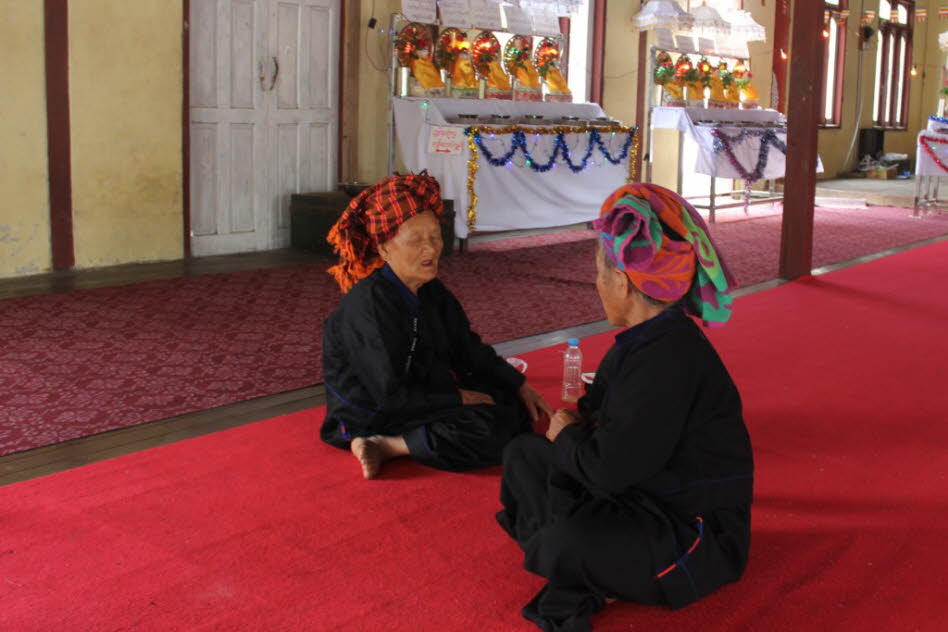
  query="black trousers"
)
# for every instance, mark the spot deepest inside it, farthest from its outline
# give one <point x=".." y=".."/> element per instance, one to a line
<point x="469" y="437"/>
<point x="587" y="548"/>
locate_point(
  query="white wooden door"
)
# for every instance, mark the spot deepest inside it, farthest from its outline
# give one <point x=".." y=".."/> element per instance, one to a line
<point x="263" y="117"/>
<point x="303" y="110"/>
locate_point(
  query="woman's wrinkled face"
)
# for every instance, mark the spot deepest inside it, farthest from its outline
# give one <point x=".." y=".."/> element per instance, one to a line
<point x="414" y="250"/>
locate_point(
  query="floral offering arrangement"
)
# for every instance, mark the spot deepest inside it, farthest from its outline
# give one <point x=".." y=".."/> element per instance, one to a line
<point x="485" y="53"/>
<point x="413" y="48"/>
<point x="547" y="58"/>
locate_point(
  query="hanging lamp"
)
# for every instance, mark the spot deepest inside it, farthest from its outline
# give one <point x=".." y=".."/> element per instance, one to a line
<point x="661" y="14"/>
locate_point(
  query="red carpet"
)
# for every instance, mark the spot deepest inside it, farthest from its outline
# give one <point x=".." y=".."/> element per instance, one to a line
<point x="263" y="528"/>
<point x="85" y="362"/>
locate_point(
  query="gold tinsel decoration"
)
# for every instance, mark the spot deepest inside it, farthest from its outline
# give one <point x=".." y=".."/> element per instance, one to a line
<point x="472" y="165"/>
<point x="472" y="168"/>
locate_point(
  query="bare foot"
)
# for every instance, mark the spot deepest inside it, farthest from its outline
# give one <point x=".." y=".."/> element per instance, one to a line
<point x="375" y="450"/>
<point x="369" y="452"/>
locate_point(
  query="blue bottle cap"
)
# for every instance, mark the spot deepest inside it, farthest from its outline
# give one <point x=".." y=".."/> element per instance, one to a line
<point x="573" y="342"/>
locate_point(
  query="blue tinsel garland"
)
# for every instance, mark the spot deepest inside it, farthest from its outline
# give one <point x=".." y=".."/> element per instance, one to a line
<point x="768" y="137"/>
<point x="560" y="148"/>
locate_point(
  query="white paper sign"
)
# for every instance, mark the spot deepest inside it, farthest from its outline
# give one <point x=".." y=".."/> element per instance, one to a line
<point x="665" y="39"/>
<point x="486" y="15"/>
<point x="706" y="46"/>
<point x="544" y="22"/>
<point x="685" y="43"/>
<point x="517" y="20"/>
<point x="420" y="11"/>
<point x="449" y="141"/>
<point x="455" y="13"/>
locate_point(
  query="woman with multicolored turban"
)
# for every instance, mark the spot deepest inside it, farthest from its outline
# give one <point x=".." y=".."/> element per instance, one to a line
<point x="643" y="495"/>
<point x="405" y="375"/>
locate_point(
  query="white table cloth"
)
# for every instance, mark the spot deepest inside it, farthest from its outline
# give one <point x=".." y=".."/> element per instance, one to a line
<point x="936" y="123"/>
<point x="517" y="197"/>
<point x="925" y="165"/>
<point x="719" y="165"/>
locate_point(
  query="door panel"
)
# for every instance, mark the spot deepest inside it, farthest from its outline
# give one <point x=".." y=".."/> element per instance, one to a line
<point x="243" y="176"/>
<point x="228" y="126"/>
<point x="263" y="117"/>
<point x="203" y="179"/>
<point x="316" y="166"/>
<point x="287" y="39"/>
<point x="288" y="158"/>
<point x="244" y="84"/>
<point x="304" y="37"/>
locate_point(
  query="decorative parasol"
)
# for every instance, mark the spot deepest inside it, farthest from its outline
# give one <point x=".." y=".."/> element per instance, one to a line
<point x="707" y="22"/>
<point x="410" y="40"/>
<point x="517" y="53"/>
<point x="744" y="27"/>
<point x="450" y="44"/>
<point x="547" y="54"/>
<point x="661" y="14"/>
<point x="484" y="49"/>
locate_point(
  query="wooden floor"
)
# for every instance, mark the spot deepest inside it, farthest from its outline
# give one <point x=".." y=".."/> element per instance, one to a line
<point x="68" y="280"/>
<point x="62" y="456"/>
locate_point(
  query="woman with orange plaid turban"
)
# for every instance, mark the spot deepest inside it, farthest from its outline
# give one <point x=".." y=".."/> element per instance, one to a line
<point x="644" y="493"/>
<point x="405" y="375"/>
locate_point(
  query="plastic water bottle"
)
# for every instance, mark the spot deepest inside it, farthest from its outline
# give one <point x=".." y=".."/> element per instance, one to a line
<point x="572" y="371"/>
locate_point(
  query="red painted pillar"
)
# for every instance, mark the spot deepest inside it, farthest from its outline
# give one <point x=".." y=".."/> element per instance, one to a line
<point x="796" y="237"/>
<point x="58" y="145"/>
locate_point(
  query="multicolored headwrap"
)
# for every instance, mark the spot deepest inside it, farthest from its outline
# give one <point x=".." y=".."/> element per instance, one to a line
<point x="663" y="245"/>
<point x="373" y="217"/>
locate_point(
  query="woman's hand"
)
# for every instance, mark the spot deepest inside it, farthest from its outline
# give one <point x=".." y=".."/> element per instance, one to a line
<point x="472" y="398"/>
<point x="534" y="402"/>
<point x="560" y="420"/>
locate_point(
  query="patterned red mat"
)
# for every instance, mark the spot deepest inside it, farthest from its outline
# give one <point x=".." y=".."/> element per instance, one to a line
<point x="84" y="362"/>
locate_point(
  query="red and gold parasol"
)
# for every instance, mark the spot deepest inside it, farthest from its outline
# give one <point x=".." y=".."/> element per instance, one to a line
<point x="484" y="49"/>
<point x="450" y="44"/>
<point x="411" y="39"/>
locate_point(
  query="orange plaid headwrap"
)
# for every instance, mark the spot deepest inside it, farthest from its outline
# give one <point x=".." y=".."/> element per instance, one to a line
<point x="373" y="217"/>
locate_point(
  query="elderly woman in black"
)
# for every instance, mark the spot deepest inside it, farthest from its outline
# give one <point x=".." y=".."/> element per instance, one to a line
<point x="645" y="494"/>
<point x="405" y="374"/>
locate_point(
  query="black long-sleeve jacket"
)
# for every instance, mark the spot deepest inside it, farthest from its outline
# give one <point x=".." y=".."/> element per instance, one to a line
<point x="390" y="357"/>
<point x="664" y="426"/>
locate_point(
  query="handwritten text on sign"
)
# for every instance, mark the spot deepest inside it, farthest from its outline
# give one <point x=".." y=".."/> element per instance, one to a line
<point x="446" y="141"/>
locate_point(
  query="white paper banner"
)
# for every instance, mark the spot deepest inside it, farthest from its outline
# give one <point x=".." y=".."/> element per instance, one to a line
<point x="685" y="44"/>
<point x="486" y="15"/>
<point x="517" y="21"/>
<point x="665" y="39"/>
<point x="455" y="13"/>
<point x="420" y="11"/>
<point x="544" y="23"/>
<point x="449" y="141"/>
<point x="706" y="46"/>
